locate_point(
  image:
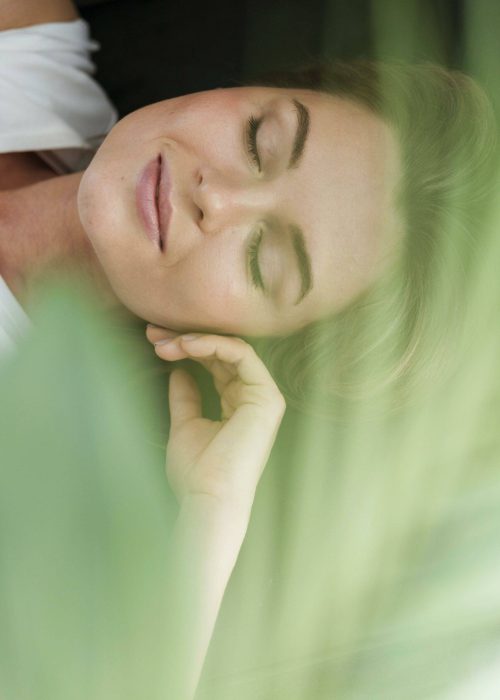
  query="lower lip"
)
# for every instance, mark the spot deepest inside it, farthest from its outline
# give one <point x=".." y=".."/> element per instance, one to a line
<point x="146" y="200"/>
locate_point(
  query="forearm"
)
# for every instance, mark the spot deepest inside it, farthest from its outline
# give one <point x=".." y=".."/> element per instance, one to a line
<point x="204" y="549"/>
<point x="15" y="14"/>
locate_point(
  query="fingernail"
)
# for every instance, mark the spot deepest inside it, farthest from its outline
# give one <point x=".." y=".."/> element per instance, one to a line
<point x="164" y="341"/>
<point x="165" y="332"/>
<point x="190" y="336"/>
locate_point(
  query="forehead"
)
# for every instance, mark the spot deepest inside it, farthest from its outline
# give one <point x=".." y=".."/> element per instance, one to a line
<point x="342" y="196"/>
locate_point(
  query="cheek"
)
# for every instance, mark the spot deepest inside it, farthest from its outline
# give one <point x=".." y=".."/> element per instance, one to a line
<point x="208" y="290"/>
<point x="121" y="249"/>
<point x="92" y="211"/>
<point x="102" y="199"/>
<point x="102" y="226"/>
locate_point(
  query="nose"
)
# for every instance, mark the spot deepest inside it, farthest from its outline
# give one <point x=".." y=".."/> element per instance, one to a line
<point x="224" y="201"/>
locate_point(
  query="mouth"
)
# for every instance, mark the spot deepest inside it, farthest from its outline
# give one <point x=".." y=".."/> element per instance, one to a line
<point x="163" y="206"/>
<point x="153" y="200"/>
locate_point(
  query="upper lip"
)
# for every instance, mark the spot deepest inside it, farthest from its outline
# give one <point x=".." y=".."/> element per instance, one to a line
<point x="164" y="207"/>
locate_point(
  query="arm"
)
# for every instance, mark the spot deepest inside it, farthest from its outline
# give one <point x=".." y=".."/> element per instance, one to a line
<point x="204" y="548"/>
<point x="213" y="468"/>
<point x="15" y="14"/>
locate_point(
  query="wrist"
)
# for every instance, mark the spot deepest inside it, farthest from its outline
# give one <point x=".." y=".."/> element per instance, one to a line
<point x="206" y="506"/>
<point x="204" y="548"/>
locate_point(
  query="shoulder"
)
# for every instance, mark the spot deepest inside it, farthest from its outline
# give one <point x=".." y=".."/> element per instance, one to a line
<point x="22" y="169"/>
<point x="18" y="15"/>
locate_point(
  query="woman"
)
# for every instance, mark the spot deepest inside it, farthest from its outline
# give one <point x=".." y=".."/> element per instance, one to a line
<point x="253" y="211"/>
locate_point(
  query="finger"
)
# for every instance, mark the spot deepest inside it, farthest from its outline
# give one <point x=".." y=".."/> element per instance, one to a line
<point x="170" y="349"/>
<point x="156" y="333"/>
<point x="220" y="371"/>
<point x="183" y="397"/>
<point x="257" y="387"/>
<point x="177" y="348"/>
<point x="235" y="352"/>
<point x="237" y="356"/>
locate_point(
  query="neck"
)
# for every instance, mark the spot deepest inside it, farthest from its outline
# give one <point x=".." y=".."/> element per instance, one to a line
<point x="41" y="233"/>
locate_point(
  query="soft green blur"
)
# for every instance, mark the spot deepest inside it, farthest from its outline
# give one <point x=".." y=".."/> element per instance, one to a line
<point x="371" y="567"/>
<point x="84" y="513"/>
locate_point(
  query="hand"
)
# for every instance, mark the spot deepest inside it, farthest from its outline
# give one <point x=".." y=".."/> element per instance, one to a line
<point x="224" y="459"/>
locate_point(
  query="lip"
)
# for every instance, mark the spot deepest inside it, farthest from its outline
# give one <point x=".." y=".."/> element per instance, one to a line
<point x="163" y="202"/>
<point x="153" y="200"/>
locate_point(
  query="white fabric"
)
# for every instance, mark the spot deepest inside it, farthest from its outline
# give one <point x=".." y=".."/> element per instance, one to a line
<point x="49" y="104"/>
<point x="49" y="101"/>
<point x="13" y="320"/>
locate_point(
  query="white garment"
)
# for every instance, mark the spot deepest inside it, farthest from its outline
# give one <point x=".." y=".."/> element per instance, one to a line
<point x="49" y="101"/>
<point x="49" y="104"/>
<point x="13" y="320"/>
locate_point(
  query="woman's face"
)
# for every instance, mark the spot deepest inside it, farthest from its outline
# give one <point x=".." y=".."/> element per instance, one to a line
<point x="281" y="208"/>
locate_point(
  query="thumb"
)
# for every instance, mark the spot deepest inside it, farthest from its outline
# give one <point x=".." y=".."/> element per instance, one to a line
<point x="183" y="397"/>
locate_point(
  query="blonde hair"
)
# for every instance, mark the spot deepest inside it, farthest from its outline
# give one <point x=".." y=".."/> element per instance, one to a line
<point x="402" y="329"/>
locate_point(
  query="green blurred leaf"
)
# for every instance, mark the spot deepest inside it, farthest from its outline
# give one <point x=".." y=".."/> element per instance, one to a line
<point x="84" y="513"/>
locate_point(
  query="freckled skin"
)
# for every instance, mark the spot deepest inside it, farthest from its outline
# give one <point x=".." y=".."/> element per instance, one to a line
<point x="340" y="194"/>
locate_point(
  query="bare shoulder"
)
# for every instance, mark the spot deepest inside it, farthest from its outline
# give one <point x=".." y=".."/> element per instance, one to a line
<point x="22" y="169"/>
<point x="15" y="14"/>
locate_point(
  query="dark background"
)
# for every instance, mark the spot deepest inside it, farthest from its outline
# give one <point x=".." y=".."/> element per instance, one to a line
<point x="155" y="49"/>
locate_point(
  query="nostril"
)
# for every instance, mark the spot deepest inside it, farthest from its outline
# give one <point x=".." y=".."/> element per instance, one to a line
<point x="200" y="214"/>
<point x="200" y="178"/>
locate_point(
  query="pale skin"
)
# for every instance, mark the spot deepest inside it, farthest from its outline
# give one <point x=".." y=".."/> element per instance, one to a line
<point x="339" y="193"/>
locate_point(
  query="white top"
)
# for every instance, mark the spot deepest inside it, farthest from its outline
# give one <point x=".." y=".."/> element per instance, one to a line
<point x="49" y="104"/>
<point x="13" y="320"/>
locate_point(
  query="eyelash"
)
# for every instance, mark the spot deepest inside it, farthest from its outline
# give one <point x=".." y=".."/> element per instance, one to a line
<point x="254" y="265"/>
<point x="251" y="139"/>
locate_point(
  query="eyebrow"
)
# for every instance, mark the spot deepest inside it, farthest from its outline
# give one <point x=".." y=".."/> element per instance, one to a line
<point x="303" y="122"/>
<point x="303" y="260"/>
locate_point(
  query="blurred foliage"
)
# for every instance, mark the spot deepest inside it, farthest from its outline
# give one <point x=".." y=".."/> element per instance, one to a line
<point x="84" y="512"/>
<point x="370" y="569"/>
<point x="376" y="541"/>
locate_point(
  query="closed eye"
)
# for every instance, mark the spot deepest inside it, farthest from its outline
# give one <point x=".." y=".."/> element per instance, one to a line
<point x="251" y="140"/>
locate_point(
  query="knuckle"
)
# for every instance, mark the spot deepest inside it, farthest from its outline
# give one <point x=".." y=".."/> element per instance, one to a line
<point x="281" y="405"/>
<point x="277" y="401"/>
<point x="241" y="343"/>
